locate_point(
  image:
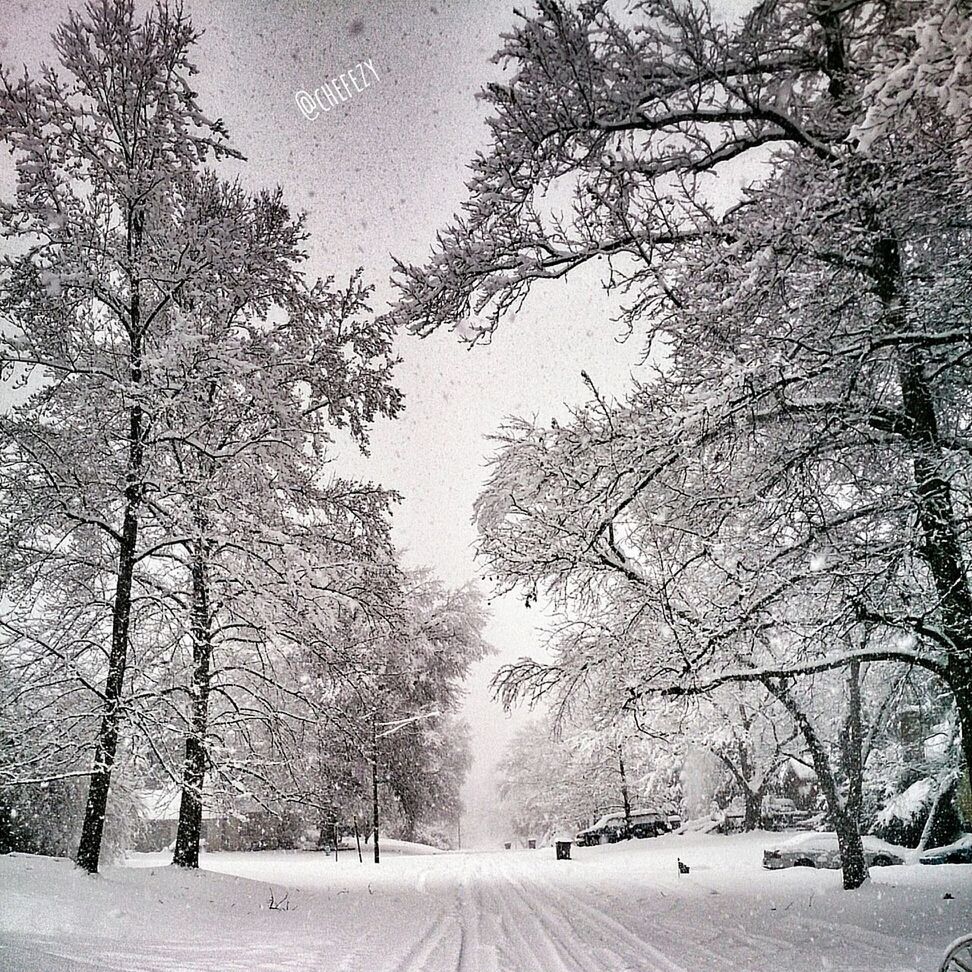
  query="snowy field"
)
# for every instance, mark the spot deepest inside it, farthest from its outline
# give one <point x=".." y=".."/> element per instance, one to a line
<point x="621" y="907"/>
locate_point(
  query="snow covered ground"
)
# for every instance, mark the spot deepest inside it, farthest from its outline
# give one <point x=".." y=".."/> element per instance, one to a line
<point x="621" y="907"/>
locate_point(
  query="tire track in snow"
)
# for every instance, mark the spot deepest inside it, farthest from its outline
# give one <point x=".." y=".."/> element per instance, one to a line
<point x="666" y="939"/>
<point x="37" y="954"/>
<point x="476" y="954"/>
<point x="847" y="945"/>
<point x="638" y="951"/>
<point x="443" y="937"/>
<point x="459" y="938"/>
<point x="548" y="950"/>
<point x="564" y="940"/>
<point x="749" y="936"/>
<point x="673" y="932"/>
<point x="442" y="944"/>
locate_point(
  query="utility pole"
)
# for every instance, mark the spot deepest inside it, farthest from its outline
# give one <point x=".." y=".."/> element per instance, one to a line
<point x="388" y="729"/>
<point x="624" y="794"/>
<point x="374" y="783"/>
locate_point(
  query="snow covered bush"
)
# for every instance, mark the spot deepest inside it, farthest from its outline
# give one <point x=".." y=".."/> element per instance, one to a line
<point x="905" y="817"/>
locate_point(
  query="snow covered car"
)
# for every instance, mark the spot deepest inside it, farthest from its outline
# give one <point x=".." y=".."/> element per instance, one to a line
<point x="777" y="813"/>
<point x="958" y="853"/>
<point x="821" y="850"/>
<point x="605" y="830"/>
<point x="611" y="827"/>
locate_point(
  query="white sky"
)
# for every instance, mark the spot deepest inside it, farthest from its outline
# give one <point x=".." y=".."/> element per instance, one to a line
<point x="379" y="175"/>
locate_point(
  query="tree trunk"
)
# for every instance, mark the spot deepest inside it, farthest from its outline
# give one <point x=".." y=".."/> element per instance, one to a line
<point x="93" y="828"/>
<point x="626" y="799"/>
<point x="852" y="744"/>
<point x="194" y="772"/>
<point x="753" y="798"/>
<point x="962" y="691"/>
<point x="754" y="809"/>
<point x="743" y="775"/>
<point x="940" y="546"/>
<point x="852" y="860"/>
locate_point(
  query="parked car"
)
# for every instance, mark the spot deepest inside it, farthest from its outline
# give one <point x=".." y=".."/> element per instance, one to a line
<point x="611" y="827"/>
<point x="778" y="813"/>
<point x="821" y="850"/>
<point x="605" y="830"/>
<point x="958" y="853"/>
<point x="651" y="823"/>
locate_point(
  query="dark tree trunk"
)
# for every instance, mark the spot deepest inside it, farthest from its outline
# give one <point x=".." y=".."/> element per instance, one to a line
<point x="852" y="860"/>
<point x="853" y="744"/>
<point x="847" y="825"/>
<point x="835" y="59"/>
<point x="752" y="817"/>
<point x="93" y="827"/>
<point x="92" y="830"/>
<point x="194" y="771"/>
<point x="940" y="545"/>
<point x="962" y="690"/>
<point x="625" y="797"/>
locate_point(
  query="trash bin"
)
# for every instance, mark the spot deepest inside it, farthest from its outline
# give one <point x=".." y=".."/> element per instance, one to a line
<point x="532" y="843"/>
<point x="508" y="844"/>
<point x="563" y="850"/>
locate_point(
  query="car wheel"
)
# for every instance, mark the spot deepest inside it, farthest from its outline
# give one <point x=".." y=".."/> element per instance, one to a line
<point x="881" y="860"/>
<point x="959" y="956"/>
<point x="804" y="862"/>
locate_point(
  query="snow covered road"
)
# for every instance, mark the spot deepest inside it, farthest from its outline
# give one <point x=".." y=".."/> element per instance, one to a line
<point x="612" y="909"/>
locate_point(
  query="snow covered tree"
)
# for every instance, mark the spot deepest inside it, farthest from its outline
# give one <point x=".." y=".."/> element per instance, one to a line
<point x="424" y="771"/>
<point x="925" y="64"/>
<point x="415" y="685"/>
<point x="263" y="368"/>
<point x="101" y="154"/>
<point x="178" y="378"/>
<point x="739" y="726"/>
<point x="390" y="688"/>
<point x="541" y="788"/>
<point x="560" y="773"/>
<point x="681" y="612"/>
<point x="798" y="465"/>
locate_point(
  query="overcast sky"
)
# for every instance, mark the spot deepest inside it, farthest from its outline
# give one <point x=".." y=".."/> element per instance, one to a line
<point x="378" y="176"/>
